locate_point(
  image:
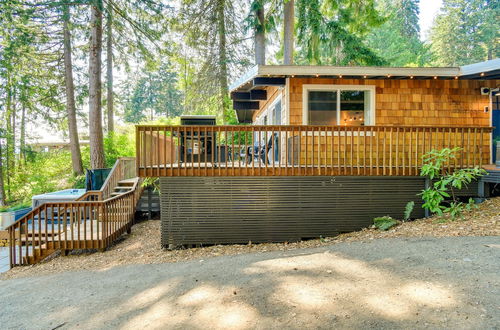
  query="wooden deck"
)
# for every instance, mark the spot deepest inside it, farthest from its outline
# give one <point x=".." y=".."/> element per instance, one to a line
<point x="303" y="150"/>
<point x="92" y="222"/>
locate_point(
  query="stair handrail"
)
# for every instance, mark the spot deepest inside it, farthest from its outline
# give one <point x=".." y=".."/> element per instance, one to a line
<point x="135" y="190"/>
<point x="120" y="171"/>
<point x="124" y="168"/>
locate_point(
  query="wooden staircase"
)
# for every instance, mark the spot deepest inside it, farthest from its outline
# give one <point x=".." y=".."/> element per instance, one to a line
<point x="94" y="221"/>
<point x="124" y="186"/>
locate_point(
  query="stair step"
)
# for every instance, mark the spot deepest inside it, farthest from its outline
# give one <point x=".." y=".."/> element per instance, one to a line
<point x="127" y="182"/>
<point x="123" y="187"/>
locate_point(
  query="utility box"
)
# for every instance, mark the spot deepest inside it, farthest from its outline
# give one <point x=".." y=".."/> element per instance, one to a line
<point x="198" y="146"/>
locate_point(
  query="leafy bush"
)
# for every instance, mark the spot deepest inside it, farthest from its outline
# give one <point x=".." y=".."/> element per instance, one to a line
<point x="385" y="222"/>
<point x="119" y="145"/>
<point x="44" y="172"/>
<point x="446" y="183"/>
<point x="151" y="182"/>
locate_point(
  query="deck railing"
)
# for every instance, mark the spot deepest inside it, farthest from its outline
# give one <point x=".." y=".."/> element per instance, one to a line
<point x="94" y="221"/>
<point x="71" y="225"/>
<point x="302" y="150"/>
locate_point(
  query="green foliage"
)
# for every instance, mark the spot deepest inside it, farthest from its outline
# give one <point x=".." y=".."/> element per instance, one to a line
<point x="408" y="210"/>
<point x="51" y="171"/>
<point x="466" y="31"/>
<point x="119" y="145"/>
<point x="155" y="94"/>
<point x="384" y="223"/>
<point x="46" y="172"/>
<point x="398" y="39"/>
<point x="446" y="183"/>
<point x="213" y="48"/>
<point x="151" y="182"/>
<point x="333" y="32"/>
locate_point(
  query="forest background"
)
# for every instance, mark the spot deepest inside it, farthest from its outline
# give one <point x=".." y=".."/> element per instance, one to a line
<point x="88" y="70"/>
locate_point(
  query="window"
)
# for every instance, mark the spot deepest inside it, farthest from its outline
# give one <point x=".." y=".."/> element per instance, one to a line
<point x="322" y="108"/>
<point x="271" y="115"/>
<point x="277" y="113"/>
<point x="339" y="105"/>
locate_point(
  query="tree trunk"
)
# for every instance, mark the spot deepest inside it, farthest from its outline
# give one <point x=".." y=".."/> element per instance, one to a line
<point x="22" y="134"/>
<point x="95" y="114"/>
<point x="260" y="38"/>
<point x="223" y="84"/>
<point x="6" y="135"/>
<point x="74" y="143"/>
<point x="288" y="30"/>
<point x="2" y="185"/>
<point x="109" y="68"/>
<point x="10" y="133"/>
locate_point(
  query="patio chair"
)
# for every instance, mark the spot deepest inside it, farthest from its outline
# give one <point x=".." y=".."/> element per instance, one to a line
<point x="261" y="152"/>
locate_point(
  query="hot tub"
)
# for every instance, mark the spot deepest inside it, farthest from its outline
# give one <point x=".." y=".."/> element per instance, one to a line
<point x="66" y="195"/>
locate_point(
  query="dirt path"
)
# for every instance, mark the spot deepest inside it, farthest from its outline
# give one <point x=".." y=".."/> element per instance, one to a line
<point x="387" y="283"/>
<point x="143" y="245"/>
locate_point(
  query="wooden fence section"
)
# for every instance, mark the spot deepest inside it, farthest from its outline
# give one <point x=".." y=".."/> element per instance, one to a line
<point x="88" y="223"/>
<point x="302" y="150"/>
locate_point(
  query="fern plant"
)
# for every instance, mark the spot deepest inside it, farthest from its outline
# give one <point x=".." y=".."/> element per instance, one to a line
<point x="408" y="210"/>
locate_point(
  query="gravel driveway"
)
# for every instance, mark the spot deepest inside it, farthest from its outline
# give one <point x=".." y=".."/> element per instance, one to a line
<point x="387" y="283"/>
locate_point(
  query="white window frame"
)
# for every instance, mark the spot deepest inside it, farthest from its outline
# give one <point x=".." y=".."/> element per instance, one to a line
<point x="331" y="88"/>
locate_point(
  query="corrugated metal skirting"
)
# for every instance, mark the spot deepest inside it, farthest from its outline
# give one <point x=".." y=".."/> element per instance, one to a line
<point x="213" y="210"/>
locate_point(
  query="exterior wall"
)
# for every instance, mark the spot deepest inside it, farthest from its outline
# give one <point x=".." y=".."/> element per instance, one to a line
<point x="412" y="102"/>
<point x="220" y="210"/>
<point x="272" y="94"/>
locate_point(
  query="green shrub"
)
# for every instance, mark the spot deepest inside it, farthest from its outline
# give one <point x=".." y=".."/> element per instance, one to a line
<point x="385" y="222"/>
<point x="151" y="182"/>
<point x="119" y="145"/>
<point x="446" y="183"/>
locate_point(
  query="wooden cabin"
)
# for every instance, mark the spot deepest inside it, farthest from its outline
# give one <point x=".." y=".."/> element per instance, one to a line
<point x="319" y="150"/>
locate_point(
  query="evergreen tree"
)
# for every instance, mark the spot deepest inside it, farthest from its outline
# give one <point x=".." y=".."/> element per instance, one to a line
<point x="155" y="94"/>
<point x="466" y="31"/>
<point x="397" y="41"/>
<point x="333" y="32"/>
<point x="74" y="143"/>
<point x="29" y="79"/>
<point x="212" y="47"/>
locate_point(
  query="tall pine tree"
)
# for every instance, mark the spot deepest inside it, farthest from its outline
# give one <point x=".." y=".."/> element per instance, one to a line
<point x="466" y="31"/>
<point x="398" y="39"/>
<point x="333" y="32"/>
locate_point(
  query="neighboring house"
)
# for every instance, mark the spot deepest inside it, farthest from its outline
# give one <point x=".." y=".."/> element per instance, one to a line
<point x="328" y="149"/>
<point x="46" y="146"/>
